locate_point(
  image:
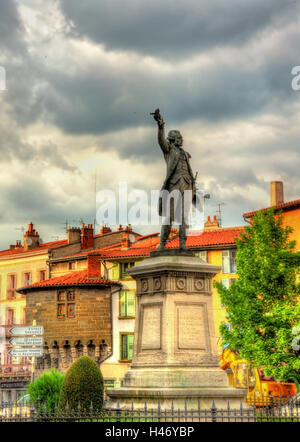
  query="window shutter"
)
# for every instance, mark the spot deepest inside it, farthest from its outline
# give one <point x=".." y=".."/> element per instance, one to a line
<point x="225" y="261"/>
<point x="115" y="271"/>
<point x="130" y="339"/>
<point x="130" y="303"/>
<point x="123" y="304"/>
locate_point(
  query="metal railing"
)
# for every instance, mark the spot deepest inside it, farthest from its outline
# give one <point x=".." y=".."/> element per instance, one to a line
<point x="7" y="370"/>
<point x="285" y="411"/>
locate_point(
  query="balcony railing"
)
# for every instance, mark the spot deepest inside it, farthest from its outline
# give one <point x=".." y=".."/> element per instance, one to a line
<point x="8" y="370"/>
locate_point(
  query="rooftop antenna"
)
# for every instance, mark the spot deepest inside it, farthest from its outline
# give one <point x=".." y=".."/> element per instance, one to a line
<point x="78" y="220"/>
<point x="22" y="230"/>
<point x="66" y="225"/>
<point x="219" y="213"/>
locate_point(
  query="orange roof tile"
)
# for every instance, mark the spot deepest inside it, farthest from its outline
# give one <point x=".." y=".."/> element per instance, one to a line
<point x="283" y="206"/>
<point x="218" y="237"/>
<point x="71" y="279"/>
<point x="43" y="246"/>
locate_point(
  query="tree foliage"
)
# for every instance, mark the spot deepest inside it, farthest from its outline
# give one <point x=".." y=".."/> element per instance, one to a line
<point x="82" y="387"/>
<point x="263" y="303"/>
<point x="46" y="389"/>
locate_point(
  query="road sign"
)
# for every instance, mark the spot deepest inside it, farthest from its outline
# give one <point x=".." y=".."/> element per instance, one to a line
<point x="27" y="331"/>
<point x="26" y="352"/>
<point x="26" y="342"/>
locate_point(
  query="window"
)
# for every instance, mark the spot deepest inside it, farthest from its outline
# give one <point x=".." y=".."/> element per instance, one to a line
<point x="71" y="310"/>
<point x="203" y="255"/>
<point x="42" y="275"/>
<point x="12" y="283"/>
<point x="10" y="316"/>
<point x="124" y="267"/>
<point x="127" y="304"/>
<point x="65" y="308"/>
<point x="126" y="350"/>
<point x="228" y="261"/>
<point x="61" y="310"/>
<point x="27" y="278"/>
<point x="225" y="283"/>
<point x="72" y="265"/>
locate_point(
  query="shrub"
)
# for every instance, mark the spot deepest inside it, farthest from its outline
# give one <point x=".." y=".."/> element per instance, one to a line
<point x="82" y="387"/>
<point x="46" y="388"/>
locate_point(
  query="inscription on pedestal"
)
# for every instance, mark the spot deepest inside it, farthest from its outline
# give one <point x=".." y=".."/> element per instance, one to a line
<point x="150" y="327"/>
<point x="192" y="332"/>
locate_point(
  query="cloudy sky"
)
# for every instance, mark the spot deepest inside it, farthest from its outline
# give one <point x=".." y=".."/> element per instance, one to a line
<point x="83" y="76"/>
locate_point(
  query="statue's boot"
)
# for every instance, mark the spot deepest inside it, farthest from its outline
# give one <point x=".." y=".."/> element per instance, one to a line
<point x="164" y="234"/>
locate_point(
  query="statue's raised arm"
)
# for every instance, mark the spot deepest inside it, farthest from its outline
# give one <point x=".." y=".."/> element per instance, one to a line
<point x="161" y="131"/>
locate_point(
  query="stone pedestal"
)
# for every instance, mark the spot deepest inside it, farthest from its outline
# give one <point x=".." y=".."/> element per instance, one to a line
<point x="175" y="352"/>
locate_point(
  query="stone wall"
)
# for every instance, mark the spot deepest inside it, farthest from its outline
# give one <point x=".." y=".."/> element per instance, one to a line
<point x="67" y="338"/>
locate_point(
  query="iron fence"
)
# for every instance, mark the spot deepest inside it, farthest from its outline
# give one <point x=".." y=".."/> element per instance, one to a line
<point x="267" y="410"/>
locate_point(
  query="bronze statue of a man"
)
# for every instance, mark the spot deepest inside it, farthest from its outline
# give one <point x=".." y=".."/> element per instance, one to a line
<point x="179" y="177"/>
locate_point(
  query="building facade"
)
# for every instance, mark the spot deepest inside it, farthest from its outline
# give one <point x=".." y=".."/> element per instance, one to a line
<point x="75" y="311"/>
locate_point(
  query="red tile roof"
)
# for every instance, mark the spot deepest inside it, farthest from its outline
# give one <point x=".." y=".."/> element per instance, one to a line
<point x="141" y="248"/>
<point x="43" y="246"/>
<point x="283" y="206"/>
<point x="79" y="278"/>
<point x="141" y="242"/>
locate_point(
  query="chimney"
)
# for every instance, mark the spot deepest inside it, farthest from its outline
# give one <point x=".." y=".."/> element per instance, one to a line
<point x="105" y="229"/>
<point x="128" y="228"/>
<point x="120" y="228"/>
<point x="277" y="197"/>
<point x="18" y="245"/>
<point x="211" y="225"/>
<point x="73" y="235"/>
<point x="31" y="238"/>
<point x="87" y="236"/>
<point x="125" y="241"/>
<point x="93" y="267"/>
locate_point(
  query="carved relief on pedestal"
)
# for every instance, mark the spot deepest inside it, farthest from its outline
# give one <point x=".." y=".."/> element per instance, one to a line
<point x="199" y="284"/>
<point x="144" y="285"/>
<point x="180" y="283"/>
<point x="157" y="284"/>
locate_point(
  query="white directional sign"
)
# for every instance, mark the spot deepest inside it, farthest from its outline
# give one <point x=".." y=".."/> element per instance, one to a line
<point x="26" y="352"/>
<point x="26" y="342"/>
<point x="27" y="331"/>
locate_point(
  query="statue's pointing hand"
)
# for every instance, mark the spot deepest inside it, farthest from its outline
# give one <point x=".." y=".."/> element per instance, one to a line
<point x="157" y="117"/>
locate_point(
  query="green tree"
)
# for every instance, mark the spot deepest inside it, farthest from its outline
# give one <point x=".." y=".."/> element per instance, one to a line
<point x="46" y="388"/>
<point x="82" y="387"/>
<point x="263" y="303"/>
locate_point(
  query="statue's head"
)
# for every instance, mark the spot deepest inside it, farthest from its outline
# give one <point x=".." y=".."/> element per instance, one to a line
<point x="175" y="137"/>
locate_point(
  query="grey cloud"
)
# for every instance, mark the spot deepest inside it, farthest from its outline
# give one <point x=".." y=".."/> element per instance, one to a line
<point x="171" y="29"/>
<point x="11" y="28"/>
<point x="91" y="102"/>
